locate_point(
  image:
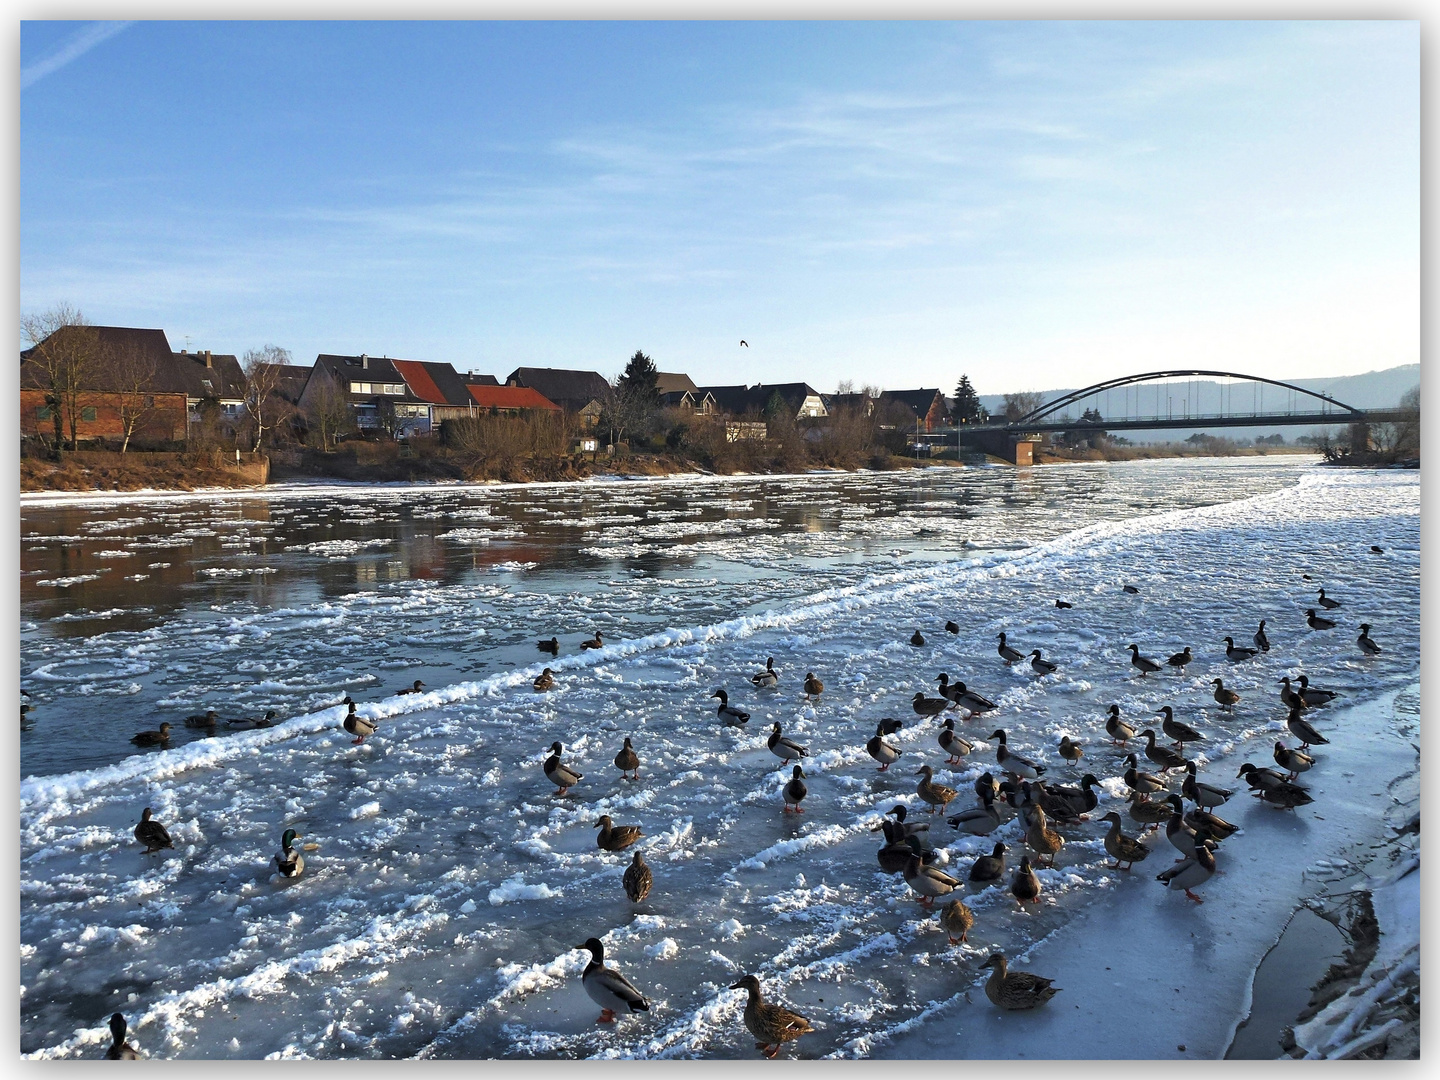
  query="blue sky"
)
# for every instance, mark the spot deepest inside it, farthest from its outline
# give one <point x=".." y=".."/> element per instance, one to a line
<point x="1036" y="204"/>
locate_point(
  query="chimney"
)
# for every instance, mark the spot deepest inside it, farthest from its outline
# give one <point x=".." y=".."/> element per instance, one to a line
<point x="364" y="361"/>
<point x="209" y="359"/>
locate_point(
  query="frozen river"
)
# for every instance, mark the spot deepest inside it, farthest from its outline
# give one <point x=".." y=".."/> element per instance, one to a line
<point x="438" y="910"/>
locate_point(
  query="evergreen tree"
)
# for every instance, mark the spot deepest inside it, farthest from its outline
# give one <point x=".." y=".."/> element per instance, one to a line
<point x="967" y="402"/>
<point x="640" y="383"/>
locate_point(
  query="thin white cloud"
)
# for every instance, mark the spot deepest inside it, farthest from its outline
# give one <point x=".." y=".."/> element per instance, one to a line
<point x="82" y="42"/>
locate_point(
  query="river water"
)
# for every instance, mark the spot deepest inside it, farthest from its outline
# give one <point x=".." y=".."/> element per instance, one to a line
<point x="448" y="882"/>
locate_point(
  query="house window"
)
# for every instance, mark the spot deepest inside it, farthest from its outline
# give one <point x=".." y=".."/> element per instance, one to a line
<point x="398" y="389"/>
<point x="42" y="412"/>
<point x="88" y="413"/>
<point x="207" y="384"/>
<point x="360" y="388"/>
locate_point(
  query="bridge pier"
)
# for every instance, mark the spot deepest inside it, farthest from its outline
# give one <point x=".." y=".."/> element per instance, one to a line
<point x="1360" y="438"/>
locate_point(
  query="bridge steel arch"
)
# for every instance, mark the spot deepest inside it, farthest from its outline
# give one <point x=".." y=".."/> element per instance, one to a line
<point x="1066" y="400"/>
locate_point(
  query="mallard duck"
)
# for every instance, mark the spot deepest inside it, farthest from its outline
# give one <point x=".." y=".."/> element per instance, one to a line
<point x="1056" y="806"/>
<point x="552" y="646"/>
<point x="1081" y="800"/>
<point x="795" y="790"/>
<point x="1190" y="873"/>
<point x="1377" y="549"/>
<point x="1235" y="653"/>
<point x="120" y="1050"/>
<point x="248" y="722"/>
<point x="948" y="690"/>
<point x="878" y="748"/>
<point x="985" y="784"/>
<point x="917" y="639"/>
<point x="152" y="738"/>
<point x="937" y="795"/>
<point x="1261" y="641"/>
<point x="770" y="1023"/>
<point x="1122" y="848"/>
<point x="638" y="879"/>
<point x="1174" y="729"/>
<point x="1292" y="761"/>
<point x="729" y="715"/>
<point x="288" y="860"/>
<point x="544" y="681"/>
<point x="627" y="761"/>
<point x="614" y="837"/>
<point x="1179" y="660"/>
<point x="1260" y="779"/>
<point x="1286" y="796"/>
<point x="357" y="725"/>
<point x="1181" y="836"/>
<point x="956" y="918"/>
<point x="1014" y="763"/>
<point x="151" y="833"/>
<point x="907" y="828"/>
<point x="1008" y="654"/>
<point x="1149" y="812"/>
<point x="784" y="748"/>
<point x="928" y="706"/>
<point x="1042" y="839"/>
<point x="1313" y="695"/>
<point x="1367" y="646"/>
<point x="974" y="704"/>
<point x="1131" y="589"/>
<point x="206" y="720"/>
<point x="1120" y="731"/>
<point x="1040" y="665"/>
<point x="1016" y="990"/>
<point x="928" y="881"/>
<point x="1203" y="795"/>
<point x="898" y="849"/>
<point x="952" y="626"/>
<point x="1318" y="622"/>
<point x="418" y="687"/>
<point x="1290" y="698"/>
<point x="953" y="744"/>
<point x="988" y="869"/>
<point x="1162" y="756"/>
<point x="979" y="820"/>
<point x="1226" y="698"/>
<point x="1217" y="827"/>
<point x="1143" y="783"/>
<point x="1144" y="664"/>
<point x="596" y="642"/>
<point x="1064" y="605"/>
<point x="1303" y="731"/>
<point x="559" y="774"/>
<point x="1070" y="750"/>
<point x="609" y="989"/>
<point x="813" y="686"/>
<point x="768" y="677"/>
<point x="1327" y="603"/>
<point x="1025" y="885"/>
<point x="25" y="722"/>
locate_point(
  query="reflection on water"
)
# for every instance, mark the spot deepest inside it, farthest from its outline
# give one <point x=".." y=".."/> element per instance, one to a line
<point x="138" y="612"/>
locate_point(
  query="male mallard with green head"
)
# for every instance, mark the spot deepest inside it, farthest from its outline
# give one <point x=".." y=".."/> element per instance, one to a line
<point x="288" y="861"/>
<point x="120" y="1050"/>
<point x="609" y="989"/>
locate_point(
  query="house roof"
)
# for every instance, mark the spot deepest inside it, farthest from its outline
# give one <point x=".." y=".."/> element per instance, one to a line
<point x="436" y="383"/>
<point x="918" y="400"/>
<point x="673" y="382"/>
<point x="510" y="397"/>
<point x="569" y="388"/>
<point x="290" y="381"/>
<point x="738" y="400"/>
<point x="365" y="368"/>
<point x="471" y="379"/>
<point x="197" y="375"/>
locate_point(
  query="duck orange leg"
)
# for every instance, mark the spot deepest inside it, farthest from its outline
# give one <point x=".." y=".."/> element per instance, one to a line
<point x="607" y="1016"/>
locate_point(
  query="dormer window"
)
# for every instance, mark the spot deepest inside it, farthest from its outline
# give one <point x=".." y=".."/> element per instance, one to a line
<point x="206" y="383"/>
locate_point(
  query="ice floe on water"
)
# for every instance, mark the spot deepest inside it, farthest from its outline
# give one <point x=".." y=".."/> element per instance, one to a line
<point x="448" y="884"/>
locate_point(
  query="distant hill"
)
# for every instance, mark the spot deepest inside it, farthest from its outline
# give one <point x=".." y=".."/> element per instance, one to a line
<point x="1372" y="390"/>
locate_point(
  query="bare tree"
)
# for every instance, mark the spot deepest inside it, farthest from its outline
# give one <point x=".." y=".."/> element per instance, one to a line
<point x="65" y="355"/>
<point x="265" y="407"/>
<point x="1022" y="404"/>
<point x="132" y="376"/>
<point x="330" y="413"/>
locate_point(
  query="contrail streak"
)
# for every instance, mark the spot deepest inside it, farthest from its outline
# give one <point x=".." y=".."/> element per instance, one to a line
<point x="77" y="46"/>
